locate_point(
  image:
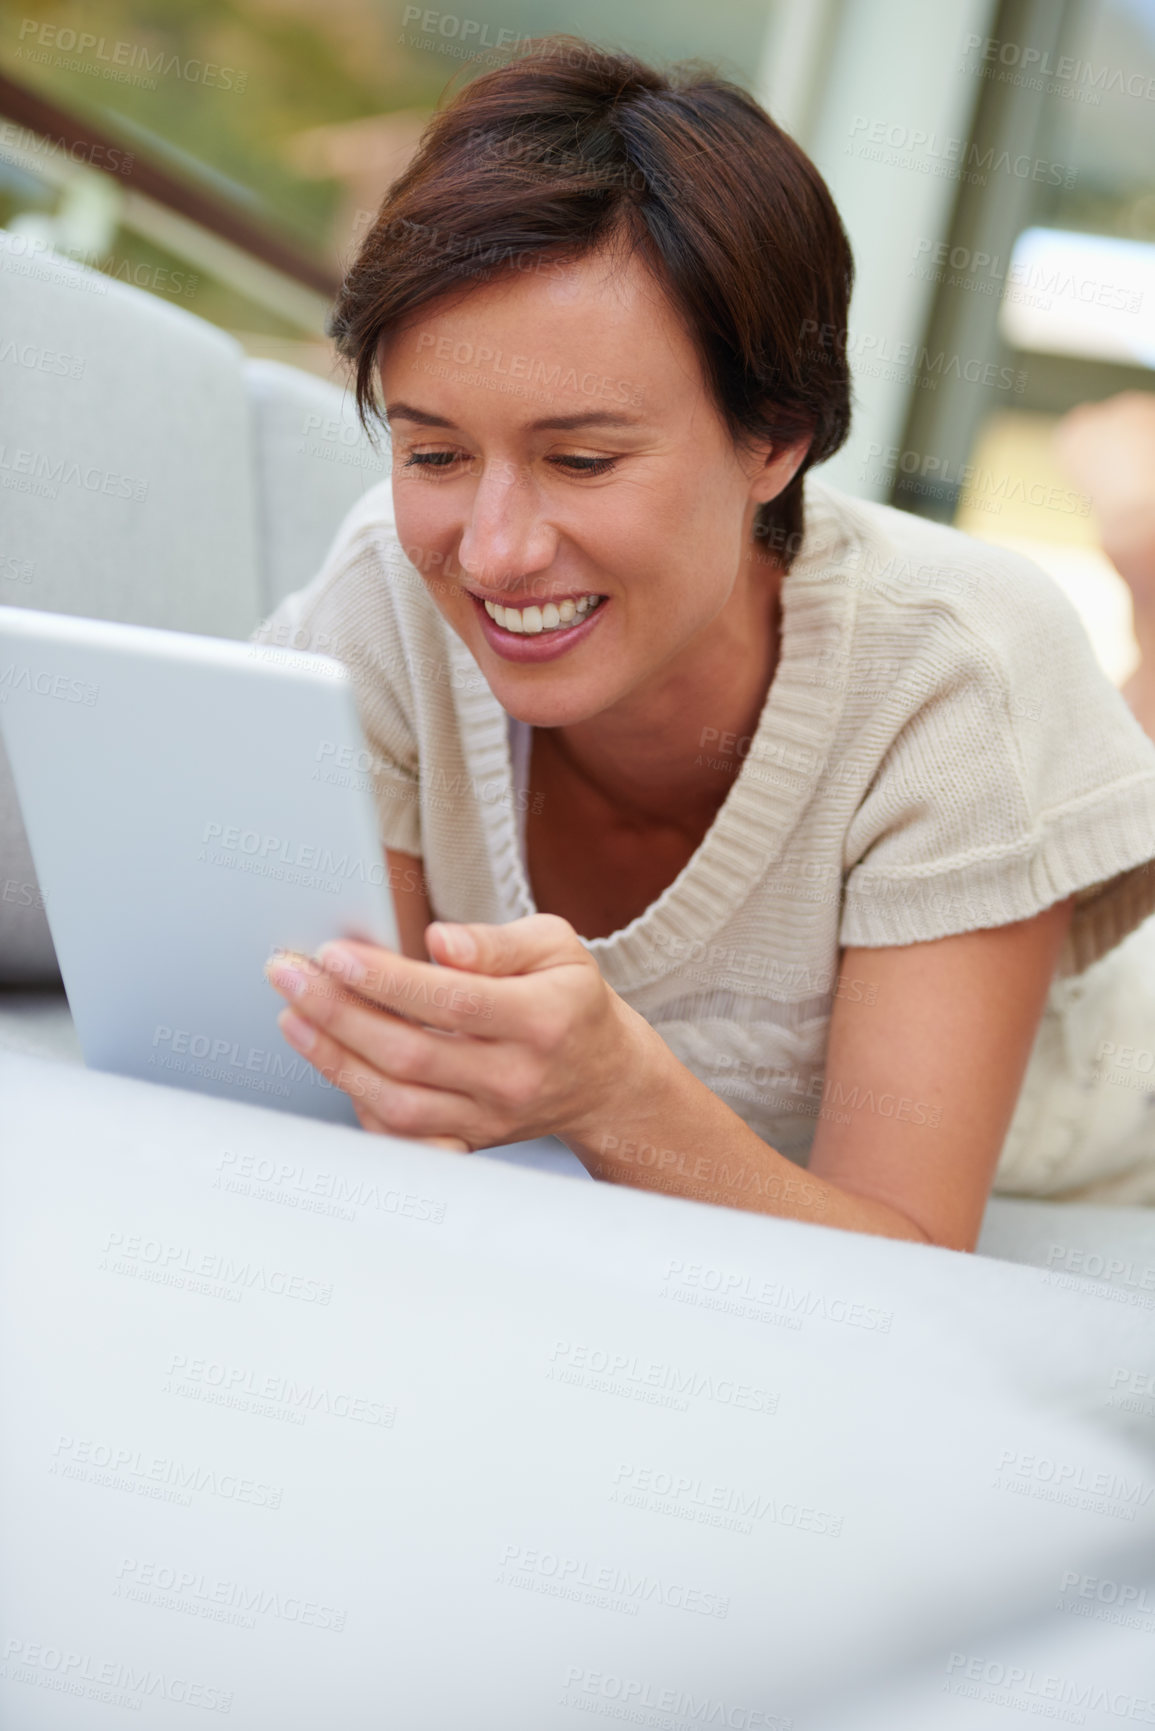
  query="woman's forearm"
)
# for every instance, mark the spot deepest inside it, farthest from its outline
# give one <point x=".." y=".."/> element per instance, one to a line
<point x="670" y="1133"/>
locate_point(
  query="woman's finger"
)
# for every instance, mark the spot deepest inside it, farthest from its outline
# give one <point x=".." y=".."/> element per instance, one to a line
<point x="476" y="991"/>
<point x="369" y="1090"/>
<point x="420" y="992"/>
<point x="369" y="1121"/>
<point x="385" y="1041"/>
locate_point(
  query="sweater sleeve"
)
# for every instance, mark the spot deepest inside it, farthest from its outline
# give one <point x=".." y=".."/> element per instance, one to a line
<point x="348" y="612"/>
<point x="1018" y="777"/>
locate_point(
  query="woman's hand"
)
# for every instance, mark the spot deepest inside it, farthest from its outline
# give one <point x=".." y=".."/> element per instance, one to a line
<point x="517" y="1035"/>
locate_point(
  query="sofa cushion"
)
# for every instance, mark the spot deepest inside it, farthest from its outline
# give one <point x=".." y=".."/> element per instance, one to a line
<point x="312" y="462"/>
<point x="124" y="432"/>
<point x="127" y="487"/>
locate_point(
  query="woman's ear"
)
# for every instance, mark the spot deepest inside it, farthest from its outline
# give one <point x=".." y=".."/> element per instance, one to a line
<point x="779" y="465"/>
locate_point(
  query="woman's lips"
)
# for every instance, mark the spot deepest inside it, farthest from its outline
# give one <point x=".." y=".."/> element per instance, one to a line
<point x="542" y="645"/>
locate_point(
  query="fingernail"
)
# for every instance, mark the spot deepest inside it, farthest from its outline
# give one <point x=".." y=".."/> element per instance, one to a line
<point x="336" y="960"/>
<point x="459" y="944"/>
<point x="286" y="978"/>
<point x="297" y="1031"/>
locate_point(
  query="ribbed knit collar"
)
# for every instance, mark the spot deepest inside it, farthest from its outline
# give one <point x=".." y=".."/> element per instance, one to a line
<point x="797" y="723"/>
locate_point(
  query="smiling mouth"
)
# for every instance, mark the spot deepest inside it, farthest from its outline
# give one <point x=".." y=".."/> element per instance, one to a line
<point x="533" y="621"/>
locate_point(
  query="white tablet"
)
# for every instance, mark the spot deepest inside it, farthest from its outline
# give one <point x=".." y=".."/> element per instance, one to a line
<point x="191" y="803"/>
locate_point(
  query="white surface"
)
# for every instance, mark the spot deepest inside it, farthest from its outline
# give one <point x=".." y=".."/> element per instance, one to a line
<point x="1111" y="1242"/>
<point x="219" y="828"/>
<point x="150" y="1260"/>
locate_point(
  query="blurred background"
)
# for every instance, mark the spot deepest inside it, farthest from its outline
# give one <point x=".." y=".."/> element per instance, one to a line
<point x="993" y="161"/>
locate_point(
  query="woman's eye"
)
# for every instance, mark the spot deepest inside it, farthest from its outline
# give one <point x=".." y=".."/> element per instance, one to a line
<point x="585" y="465"/>
<point x="430" y="459"/>
<point x="573" y="465"/>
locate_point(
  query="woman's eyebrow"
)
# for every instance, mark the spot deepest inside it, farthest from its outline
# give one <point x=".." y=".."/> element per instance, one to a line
<point x="406" y="412"/>
<point x="551" y="424"/>
<point x="588" y="418"/>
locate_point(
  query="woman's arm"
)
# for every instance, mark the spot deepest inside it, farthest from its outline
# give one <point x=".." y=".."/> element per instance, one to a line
<point x="920" y="1084"/>
<point x="920" y="1087"/>
<point x="948" y="1038"/>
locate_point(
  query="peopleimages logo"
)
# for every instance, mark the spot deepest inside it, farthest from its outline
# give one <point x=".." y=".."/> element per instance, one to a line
<point x="633" y="1698"/>
<point x="1025" y="284"/>
<point x="482" y="356"/>
<point x="688" y="1498"/>
<point x="307" y="856"/>
<point x="44" y="684"/>
<point x="169" y="1587"/>
<point x="31" y="471"/>
<point x="35" y="359"/>
<point x="155" y="1476"/>
<point x="189" y="1052"/>
<point x="1074" y="1260"/>
<point x="1034" y="68"/>
<point x="688" y="1280"/>
<point x="987" y="489"/>
<point x="313" y="1189"/>
<point x="870" y="349"/>
<point x="1028" y="1690"/>
<point x="1072" y="1483"/>
<point x="247" y="1389"/>
<point x="652" y="1380"/>
<point x="1107" y="1592"/>
<point x="231" y="1274"/>
<point x="19" y="145"/>
<point x="112" y="1681"/>
<point x="952" y="158"/>
<point x="121" y="62"/>
<point x="469" y="31"/>
<point x="610" y="1588"/>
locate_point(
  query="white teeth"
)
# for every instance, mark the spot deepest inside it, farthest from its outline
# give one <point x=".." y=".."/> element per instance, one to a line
<point x="533" y="620"/>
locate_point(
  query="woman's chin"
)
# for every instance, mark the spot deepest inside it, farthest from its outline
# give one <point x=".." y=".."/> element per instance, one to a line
<point x="546" y="709"/>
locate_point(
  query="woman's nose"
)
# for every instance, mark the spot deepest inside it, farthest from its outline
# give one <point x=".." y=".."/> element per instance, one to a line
<point x="504" y="537"/>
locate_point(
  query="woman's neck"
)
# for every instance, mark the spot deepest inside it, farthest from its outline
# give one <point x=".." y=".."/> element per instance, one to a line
<point x="670" y="757"/>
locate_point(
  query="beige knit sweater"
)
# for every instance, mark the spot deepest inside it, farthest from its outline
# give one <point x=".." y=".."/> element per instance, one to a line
<point x="938" y="751"/>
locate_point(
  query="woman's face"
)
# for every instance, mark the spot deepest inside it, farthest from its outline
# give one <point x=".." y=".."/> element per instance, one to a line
<point x="554" y="441"/>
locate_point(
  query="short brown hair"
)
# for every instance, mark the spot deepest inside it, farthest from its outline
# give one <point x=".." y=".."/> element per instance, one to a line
<point x="570" y="145"/>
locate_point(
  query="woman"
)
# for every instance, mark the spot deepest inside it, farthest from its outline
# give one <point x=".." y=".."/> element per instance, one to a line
<point x="757" y="824"/>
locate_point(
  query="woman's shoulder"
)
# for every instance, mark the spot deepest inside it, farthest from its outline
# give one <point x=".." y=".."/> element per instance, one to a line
<point x="903" y="558"/>
<point x="366" y="591"/>
<point x="366" y="554"/>
<point x="937" y="596"/>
